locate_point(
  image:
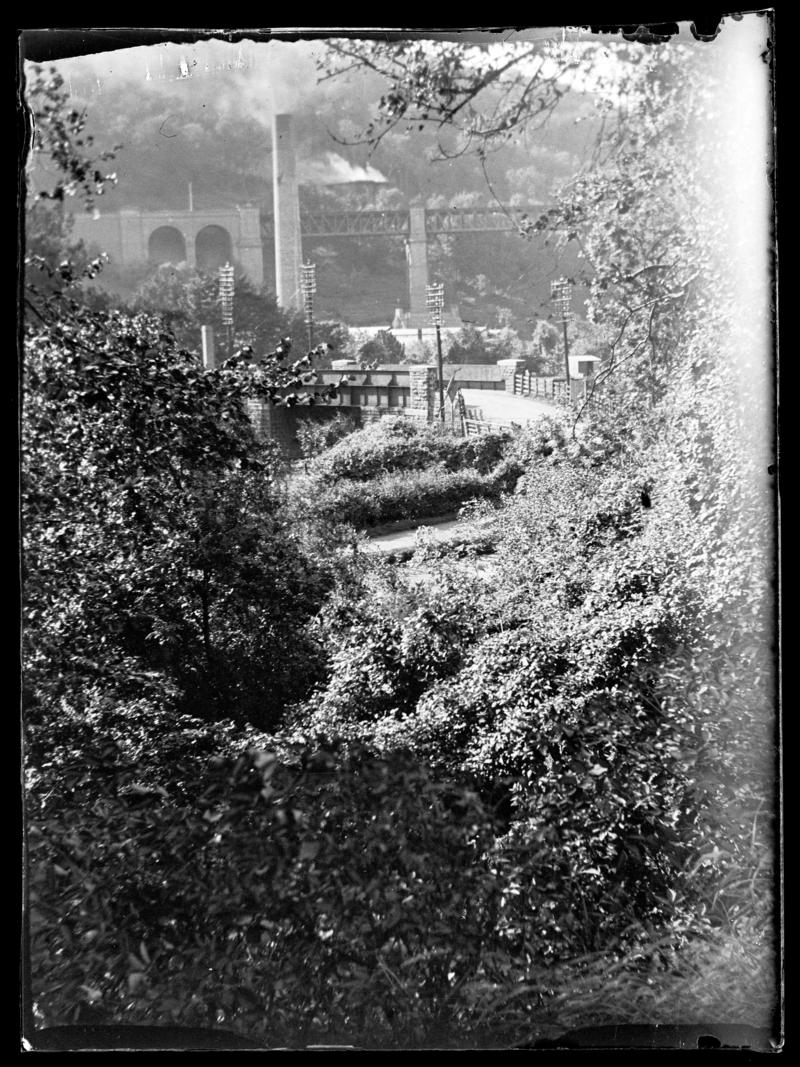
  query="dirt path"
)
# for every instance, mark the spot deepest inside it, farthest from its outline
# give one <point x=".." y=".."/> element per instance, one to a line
<point x="403" y="540"/>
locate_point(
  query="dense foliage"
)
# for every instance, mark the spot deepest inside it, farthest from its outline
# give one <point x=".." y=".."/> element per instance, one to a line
<point x="473" y="346"/>
<point x="150" y="509"/>
<point x="581" y="680"/>
<point x="315" y="437"/>
<point x="151" y="530"/>
<point x="185" y="299"/>
<point x="296" y="901"/>
<point x="402" y="495"/>
<point x="395" y="469"/>
<point x="481" y="784"/>
<point x="394" y="444"/>
<point x="382" y="348"/>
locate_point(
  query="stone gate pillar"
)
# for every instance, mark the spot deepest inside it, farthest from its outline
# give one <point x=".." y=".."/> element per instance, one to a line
<point x="260" y="412"/>
<point x="423" y="391"/>
<point x="510" y="367"/>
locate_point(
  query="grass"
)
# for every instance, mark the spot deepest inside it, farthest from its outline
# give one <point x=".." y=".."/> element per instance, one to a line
<point x="723" y="977"/>
<point x="716" y="977"/>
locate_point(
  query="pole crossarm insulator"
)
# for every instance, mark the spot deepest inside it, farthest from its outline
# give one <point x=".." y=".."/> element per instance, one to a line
<point x="434" y="301"/>
<point x="226" y="293"/>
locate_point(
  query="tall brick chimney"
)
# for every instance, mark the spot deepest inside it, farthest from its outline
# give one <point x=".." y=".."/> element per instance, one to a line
<point x="288" y="248"/>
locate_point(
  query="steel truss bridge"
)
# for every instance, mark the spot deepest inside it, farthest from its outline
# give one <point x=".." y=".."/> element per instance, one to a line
<point x="398" y="223"/>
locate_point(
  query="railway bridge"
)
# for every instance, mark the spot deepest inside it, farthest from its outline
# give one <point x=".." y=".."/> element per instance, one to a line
<point x="206" y="239"/>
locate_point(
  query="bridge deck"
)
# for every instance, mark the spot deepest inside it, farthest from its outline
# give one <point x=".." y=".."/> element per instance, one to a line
<point x="502" y="409"/>
<point x="397" y="223"/>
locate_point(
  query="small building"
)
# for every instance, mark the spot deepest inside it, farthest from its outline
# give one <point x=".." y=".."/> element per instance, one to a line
<point x="583" y="366"/>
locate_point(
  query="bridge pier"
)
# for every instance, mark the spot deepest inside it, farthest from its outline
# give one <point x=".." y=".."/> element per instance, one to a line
<point x="249" y="250"/>
<point x="131" y="237"/>
<point x="191" y="253"/>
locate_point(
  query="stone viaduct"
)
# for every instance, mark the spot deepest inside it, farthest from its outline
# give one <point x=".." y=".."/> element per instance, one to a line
<point x="208" y="239"/>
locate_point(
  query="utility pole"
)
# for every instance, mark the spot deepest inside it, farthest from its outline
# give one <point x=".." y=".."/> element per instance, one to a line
<point x="561" y="293"/>
<point x="308" y="287"/>
<point x="226" y="300"/>
<point x="435" y="303"/>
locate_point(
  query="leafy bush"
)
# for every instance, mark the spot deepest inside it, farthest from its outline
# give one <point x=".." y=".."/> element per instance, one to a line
<point x="603" y="801"/>
<point x="562" y="701"/>
<point x="399" y="444"/>
<point x="471" y="345"/>
<point x="150" y="519"/>
<point x="396" y="470"/>
<point x="148" y="732"/>
<point x="329" y="898"/>
<point x="315" y="437"/>
<point x="387" y="647"/>
<point x="402" y="494"/>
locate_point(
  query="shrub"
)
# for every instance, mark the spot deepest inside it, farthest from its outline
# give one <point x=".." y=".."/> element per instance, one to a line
<point x="399" y="444"/>
<point x="383" y="658"/>
<point x="599" y="784"/>
<point x="403" y="494"/>
<point x="331" y="899"/>
<point x="180" y="874"/>
<point x="556" y="707"/>
<point x="617" y="693"/>
<point x="150" y="519"/>
<point x="316" y="437"/>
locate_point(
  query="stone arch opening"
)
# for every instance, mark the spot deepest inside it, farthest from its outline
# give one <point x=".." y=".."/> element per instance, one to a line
<point x="213" y="248"/>
<point x="166" y="245"/>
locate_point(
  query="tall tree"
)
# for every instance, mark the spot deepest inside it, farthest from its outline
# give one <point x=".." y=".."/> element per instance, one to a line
<point x="151" y="534"/>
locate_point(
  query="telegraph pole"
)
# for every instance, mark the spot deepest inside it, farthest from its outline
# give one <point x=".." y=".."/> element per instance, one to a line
<point x="226" y="300"/>
<point x="308" y="287"/>
<point x="561" y="293"/>
<point x="435" y="302"/>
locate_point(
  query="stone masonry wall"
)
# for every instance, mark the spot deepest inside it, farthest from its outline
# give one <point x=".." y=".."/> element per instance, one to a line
<point x="422" y="382"/>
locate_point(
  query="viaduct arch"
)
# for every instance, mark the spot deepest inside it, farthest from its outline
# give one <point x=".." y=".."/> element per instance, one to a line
<point x="203" y="239"/>
<point x="166" y="244"/>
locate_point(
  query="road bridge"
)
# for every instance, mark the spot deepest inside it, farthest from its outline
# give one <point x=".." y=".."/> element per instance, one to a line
<point x="487" y="398"/>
